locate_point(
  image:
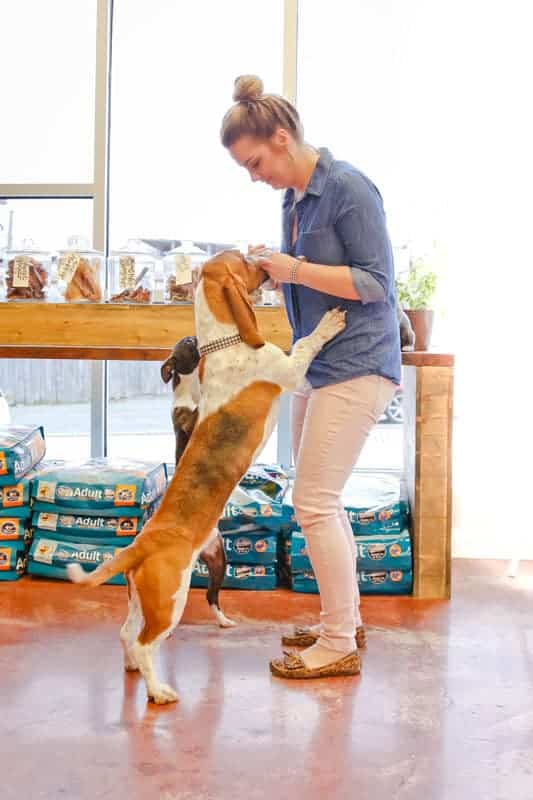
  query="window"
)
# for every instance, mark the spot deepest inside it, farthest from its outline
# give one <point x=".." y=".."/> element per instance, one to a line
<point x="173" y="74"/>
<point x="49" y="223"/>
<point x="47" y="59"/>
<point x="54" y="394"/>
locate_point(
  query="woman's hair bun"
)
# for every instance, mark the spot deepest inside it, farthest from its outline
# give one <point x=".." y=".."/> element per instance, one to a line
<point x="247" y="89"/>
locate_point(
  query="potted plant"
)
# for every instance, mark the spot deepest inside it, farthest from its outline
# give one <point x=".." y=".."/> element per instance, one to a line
<point x="415" y="290"/>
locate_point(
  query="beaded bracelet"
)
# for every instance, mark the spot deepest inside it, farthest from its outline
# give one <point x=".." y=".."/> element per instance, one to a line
<point x="293" y="272"/>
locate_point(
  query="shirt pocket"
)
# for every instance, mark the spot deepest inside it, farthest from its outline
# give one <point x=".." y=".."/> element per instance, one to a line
<point x="321" y="246"/>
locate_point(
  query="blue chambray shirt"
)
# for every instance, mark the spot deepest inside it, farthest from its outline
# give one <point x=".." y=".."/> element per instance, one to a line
<point x="341" y="221"/>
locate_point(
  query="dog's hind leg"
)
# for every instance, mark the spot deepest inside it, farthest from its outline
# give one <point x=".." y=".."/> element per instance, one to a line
<point x="214" y="557"/>
<point x="132" y="626"/>
<point x="144" y="650"/>
<point x="162" y="590"/>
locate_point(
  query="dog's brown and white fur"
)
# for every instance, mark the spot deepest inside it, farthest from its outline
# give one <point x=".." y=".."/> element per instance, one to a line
<point x="181" y="367"/>
<point x="241" y="386"/>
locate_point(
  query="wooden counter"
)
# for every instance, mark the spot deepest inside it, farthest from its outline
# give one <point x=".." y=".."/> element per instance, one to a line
<point x="148" y="333"/>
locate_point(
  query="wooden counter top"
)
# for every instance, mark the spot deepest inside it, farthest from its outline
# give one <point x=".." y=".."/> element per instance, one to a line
<point x="100" y="331"/>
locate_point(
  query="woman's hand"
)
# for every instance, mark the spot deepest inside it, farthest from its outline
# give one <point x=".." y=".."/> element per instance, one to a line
<point x="278" y="266"/>
<point x="270" y="285"/>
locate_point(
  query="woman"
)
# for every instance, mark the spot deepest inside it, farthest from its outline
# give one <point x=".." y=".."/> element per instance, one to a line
<point x="333" y="218"/>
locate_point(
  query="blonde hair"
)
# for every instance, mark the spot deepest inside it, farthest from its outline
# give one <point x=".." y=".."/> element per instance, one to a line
<point x="257" y="114"/>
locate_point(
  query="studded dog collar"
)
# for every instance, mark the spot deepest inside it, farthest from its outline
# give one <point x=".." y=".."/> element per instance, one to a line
<point x="219" y="344"/>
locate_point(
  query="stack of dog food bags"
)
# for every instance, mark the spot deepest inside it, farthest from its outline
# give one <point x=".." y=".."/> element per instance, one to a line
<point x="84" y="511"/>
<point x="21" y="449"/>
<point x="249" y="526"/>
<point x="377" y="509"/>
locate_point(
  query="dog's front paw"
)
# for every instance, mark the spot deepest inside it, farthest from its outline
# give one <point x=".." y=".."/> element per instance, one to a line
<point x="163" y="694"/>
<point x="332" y="323"/>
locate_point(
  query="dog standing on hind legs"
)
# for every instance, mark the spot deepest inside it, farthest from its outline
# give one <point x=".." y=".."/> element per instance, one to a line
<point x="242" y="377"/>
<point x="181" y="367"/>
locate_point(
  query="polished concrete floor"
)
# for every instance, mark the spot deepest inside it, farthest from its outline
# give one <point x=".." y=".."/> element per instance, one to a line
<point x="442" y="711"/>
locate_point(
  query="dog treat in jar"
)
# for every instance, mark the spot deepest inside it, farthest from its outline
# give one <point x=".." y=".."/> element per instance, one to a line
<point x="132" y="273"/>
<point x="80" y="272"/>
<point x="182" y="268"/>
<point x="27" y="273"/>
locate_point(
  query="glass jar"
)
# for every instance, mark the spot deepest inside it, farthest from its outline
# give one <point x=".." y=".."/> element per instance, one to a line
<point x="80" y="272"/>
<point x="131" y="273"/>
<point x="182" y="269"/>
<point x="27" y="272"/>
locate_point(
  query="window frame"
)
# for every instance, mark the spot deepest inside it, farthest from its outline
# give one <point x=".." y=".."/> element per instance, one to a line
<point x="98" y="192"/>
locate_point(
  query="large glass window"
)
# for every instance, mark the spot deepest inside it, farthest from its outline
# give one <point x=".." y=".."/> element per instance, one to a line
<point x="48" y="223"/>
<point x="140" y="424"/>
<point x="52" y="393"/>
<point x="173" y="73"/>
<point x="47" y="61"/>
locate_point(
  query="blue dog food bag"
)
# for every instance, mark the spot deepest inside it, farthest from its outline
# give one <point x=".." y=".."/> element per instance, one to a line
<point x="369" y="581"/>
<point x="384" y="551"/>
<point x="251" y="505"/>
<point x="99" y="484"/>
<point x="21" y="448"/>
<point x="13" y="560"/>
<point x="250" y="544"/>
<point x="49" y="557"/>
<point x="259" y="577"/>
<point x="15" y="529"/>
<point x="375" y="502"/>
<point x="70" y="522"/>
<point x="272" y="480"/>
<point x="394" y="581"/>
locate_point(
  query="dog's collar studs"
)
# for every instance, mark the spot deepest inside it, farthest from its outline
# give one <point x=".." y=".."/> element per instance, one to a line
<point x="219" y="344"/>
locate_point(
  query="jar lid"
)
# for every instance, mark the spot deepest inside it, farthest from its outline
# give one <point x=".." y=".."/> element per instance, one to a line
<point x="187" y="248"/>
<point x="135" y="247"/>
<point x="79" y="244"/>
<point x="27" y="248"/>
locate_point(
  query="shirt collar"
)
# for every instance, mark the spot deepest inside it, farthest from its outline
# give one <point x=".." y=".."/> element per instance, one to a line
<point x="318" y="178"/>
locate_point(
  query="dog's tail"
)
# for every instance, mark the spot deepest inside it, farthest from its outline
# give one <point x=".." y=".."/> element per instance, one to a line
<point x="124" y="561"/>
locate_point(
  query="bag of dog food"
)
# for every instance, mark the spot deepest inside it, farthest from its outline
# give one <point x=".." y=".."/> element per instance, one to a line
<point x="258" y="577"/>
<point x="369" y="581"/>
<point x="272" y="480"/>
<point x="110" y="541"/>
<point x="99" y="484"/>
<point x="15" y="498"/>
<point x="394" y="581"/>
<point x="49" y="557"/>
<point x="375" y="502"/>
<point x="250" y="544"/>
<point x="384" y="551"/>
<point x="251" y="505"/>
<point x="15" y="529"/>
<point x="13" y="560"/>
<point x="21" y="448"/>
<point x="70" y="522"/>
<point x="304" y="581"/>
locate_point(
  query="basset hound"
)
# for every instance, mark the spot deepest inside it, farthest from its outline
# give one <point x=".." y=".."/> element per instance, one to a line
<point x="181" y="367"/>
<point x="241" y="377"/>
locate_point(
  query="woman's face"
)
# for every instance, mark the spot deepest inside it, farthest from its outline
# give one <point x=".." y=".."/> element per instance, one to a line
<point x="266" y="160"/>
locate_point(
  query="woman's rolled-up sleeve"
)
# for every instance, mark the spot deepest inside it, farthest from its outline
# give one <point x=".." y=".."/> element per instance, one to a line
<point x="362" y="229"/>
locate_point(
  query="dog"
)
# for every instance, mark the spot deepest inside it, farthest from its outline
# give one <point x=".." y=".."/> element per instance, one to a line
<point x="242" y="378"/>
<point x="182" y="368"/>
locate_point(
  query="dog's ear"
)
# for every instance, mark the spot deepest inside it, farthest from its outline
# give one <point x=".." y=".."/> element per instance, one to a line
<point x="242" y="311"/>
<point x="167" y="369"/>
